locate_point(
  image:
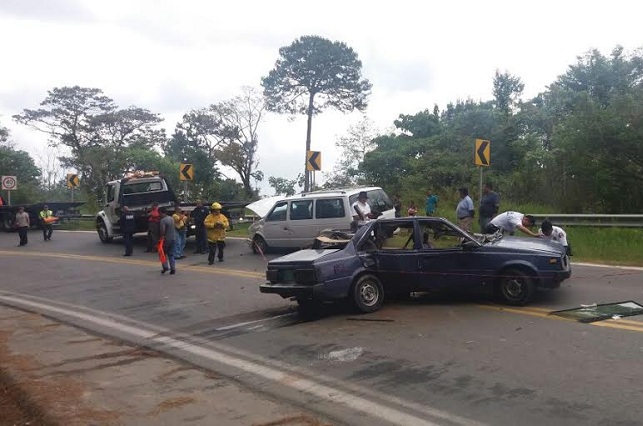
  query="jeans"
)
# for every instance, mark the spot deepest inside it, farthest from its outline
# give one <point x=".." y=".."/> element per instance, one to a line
<point x="179" y="244"/>
<point x="483" y="222"/>
<point x="47" y="230"/>
<point x="168" y="248"/>
<point x="22" y="232"/>
<point x="153" y="231"/>
<point x="201" y="240"/>
<point x="129" y="243"/>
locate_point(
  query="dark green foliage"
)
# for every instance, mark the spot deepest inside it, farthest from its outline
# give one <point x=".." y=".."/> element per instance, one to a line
<point x="577" y="147"/>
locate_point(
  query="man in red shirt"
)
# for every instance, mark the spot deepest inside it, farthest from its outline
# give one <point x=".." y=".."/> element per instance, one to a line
<point x="153" y="219"/>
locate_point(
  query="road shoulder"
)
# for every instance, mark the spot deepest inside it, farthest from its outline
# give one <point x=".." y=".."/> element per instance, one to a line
<point x="63" y="375"/>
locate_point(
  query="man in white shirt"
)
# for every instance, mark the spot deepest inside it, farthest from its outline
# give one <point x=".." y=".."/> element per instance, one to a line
<point x="361" y="209"/>
<point x="556" y="234"/>
<point x="507" y="222"/>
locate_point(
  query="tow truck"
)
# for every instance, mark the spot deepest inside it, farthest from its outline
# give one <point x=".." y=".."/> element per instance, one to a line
<point x="138" y="191"/>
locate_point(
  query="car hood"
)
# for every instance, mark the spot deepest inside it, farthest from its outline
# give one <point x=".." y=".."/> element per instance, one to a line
<point x="535" y="244"/>
<point x="263" y="206"/>
<point x="302" y="256"/>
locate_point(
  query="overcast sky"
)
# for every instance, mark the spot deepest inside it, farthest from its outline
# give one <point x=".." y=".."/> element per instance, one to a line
<point x="171" y="56"/>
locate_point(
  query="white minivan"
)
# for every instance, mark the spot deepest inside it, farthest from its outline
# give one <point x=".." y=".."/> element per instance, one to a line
<point x="294" y="222"/>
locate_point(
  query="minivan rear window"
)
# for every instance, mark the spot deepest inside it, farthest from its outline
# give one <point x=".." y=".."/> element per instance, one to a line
<point x="377" y="199"/>
<point x="301" y="210"/>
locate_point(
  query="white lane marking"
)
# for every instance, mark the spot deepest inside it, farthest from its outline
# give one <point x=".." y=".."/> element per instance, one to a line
<point x="343" y="355"/>
<point x="241" y="324"/>
<point x="598" y="265"/>
<point x="285" y="378"/>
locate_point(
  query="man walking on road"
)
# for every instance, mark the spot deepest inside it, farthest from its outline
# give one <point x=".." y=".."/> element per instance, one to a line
<point x="216" y="225"/>
<point x="23" y="223"/>
<point x="153" y="218"/>
<point x="128" y="226"/>
<point x="489" y="204"/>
<point x="47" y="228"/>
<point x="198" y="217"/>
<point x="167" y="235"/>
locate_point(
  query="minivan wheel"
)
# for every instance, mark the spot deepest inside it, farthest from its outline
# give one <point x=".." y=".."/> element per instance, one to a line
<point x="515" y="287"/>
<point x="259" y="245"/>
<point x="368" y="294"/>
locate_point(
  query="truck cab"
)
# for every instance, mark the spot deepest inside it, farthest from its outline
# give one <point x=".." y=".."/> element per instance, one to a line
<point x="138" y="192"/>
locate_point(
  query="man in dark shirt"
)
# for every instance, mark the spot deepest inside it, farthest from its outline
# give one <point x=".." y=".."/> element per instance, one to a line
<point x="128" y="226"/>
<point x="489" y="204"/>
<point x="198" y="216"/>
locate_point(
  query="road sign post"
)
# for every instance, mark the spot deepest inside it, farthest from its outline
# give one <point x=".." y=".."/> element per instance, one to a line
<point x="186" y="173"/>
<point x="72" y="183"/>
<point x="313" y="164"/>
<point x="9" y="183"/>
<point x="482" y="157"/>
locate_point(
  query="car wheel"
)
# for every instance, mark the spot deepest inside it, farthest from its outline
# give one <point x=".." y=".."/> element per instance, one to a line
<point x="259" y="245"/>
<point x="102" y="233"/>
<point x="516" y="287"/>
<point x="368" y="294"/>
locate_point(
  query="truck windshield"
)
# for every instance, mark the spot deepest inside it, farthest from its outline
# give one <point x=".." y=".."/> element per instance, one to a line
<point x="139" y="187"/>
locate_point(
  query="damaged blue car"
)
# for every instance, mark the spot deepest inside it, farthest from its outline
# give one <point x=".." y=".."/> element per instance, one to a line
<point x="394" y="257"/>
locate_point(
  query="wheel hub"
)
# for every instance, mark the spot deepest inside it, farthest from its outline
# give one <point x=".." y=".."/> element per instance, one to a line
<point x="369" y="294"/>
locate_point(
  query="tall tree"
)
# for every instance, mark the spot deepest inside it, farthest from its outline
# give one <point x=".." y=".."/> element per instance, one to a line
<point x="507" y="90"/>
<point x="95" y="131"/>
<point x="312" y="74"/>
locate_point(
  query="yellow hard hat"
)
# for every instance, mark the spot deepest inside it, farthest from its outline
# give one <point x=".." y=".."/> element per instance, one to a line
<point x="215" y="206"/>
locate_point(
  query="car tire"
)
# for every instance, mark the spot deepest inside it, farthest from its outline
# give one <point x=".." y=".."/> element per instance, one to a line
<point x="102" y="233"/>
<point x="515" y="287"/>
<point x="368" y="294"/>
<point x="259" y="245"/>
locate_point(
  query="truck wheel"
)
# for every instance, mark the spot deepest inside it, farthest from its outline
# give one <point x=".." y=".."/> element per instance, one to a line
<point x="102" y="233"/>
<point x="259" y="245"/>
<point x="515" y="287"/>
<point x="368" y="294"/>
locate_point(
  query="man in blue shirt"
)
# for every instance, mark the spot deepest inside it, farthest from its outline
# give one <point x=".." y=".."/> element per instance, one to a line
<point x="465" y="210"/>
<point x="489" y="204"/>
<point x="431" y="203"/>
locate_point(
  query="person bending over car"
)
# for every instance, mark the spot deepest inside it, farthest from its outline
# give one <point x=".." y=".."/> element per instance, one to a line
<point x="507" y="222"/>
<point x="556" y="234"/>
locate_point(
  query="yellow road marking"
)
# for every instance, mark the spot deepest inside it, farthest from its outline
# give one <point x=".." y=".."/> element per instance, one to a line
<point x="621" y="324"/>
<point x="210" y="270"/>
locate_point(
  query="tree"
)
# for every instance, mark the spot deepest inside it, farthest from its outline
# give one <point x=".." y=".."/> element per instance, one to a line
<point x="94" y="130"/>
<point x="353" y="146"/>
<point x="282" y="186"/>
<point x="507" y="90"/>
<point x="227" y="132"/>
<point x="18" y="163"/>
<point x="311" y="75"/>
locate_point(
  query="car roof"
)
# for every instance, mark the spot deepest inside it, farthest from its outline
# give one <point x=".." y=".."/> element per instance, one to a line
<point x="332" y="192"/>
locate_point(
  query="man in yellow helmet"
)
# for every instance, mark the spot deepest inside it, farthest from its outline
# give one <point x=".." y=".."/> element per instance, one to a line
<point x="216" y="224"/>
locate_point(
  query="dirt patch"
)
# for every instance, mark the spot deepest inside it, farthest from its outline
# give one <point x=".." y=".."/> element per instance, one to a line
<point x="171" y="403"/>
<point x="23" y="398"/>
<point x="294" y="421"/>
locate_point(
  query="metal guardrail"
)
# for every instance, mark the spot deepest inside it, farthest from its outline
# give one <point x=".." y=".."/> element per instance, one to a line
<point x="594" y="220"/>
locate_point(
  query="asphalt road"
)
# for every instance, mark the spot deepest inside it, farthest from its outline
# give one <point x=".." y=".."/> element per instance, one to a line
<point x="443" y="359"/>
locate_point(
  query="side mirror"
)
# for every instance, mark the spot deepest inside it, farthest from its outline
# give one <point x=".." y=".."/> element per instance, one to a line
<point x="469" y="245"/>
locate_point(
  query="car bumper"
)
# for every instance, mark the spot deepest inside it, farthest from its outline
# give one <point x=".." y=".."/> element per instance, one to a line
<point x="315" y="291"/>
<point x="553" y="279"/>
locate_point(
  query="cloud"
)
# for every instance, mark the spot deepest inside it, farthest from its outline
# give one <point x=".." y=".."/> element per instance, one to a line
<point x="46" y="10"/>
